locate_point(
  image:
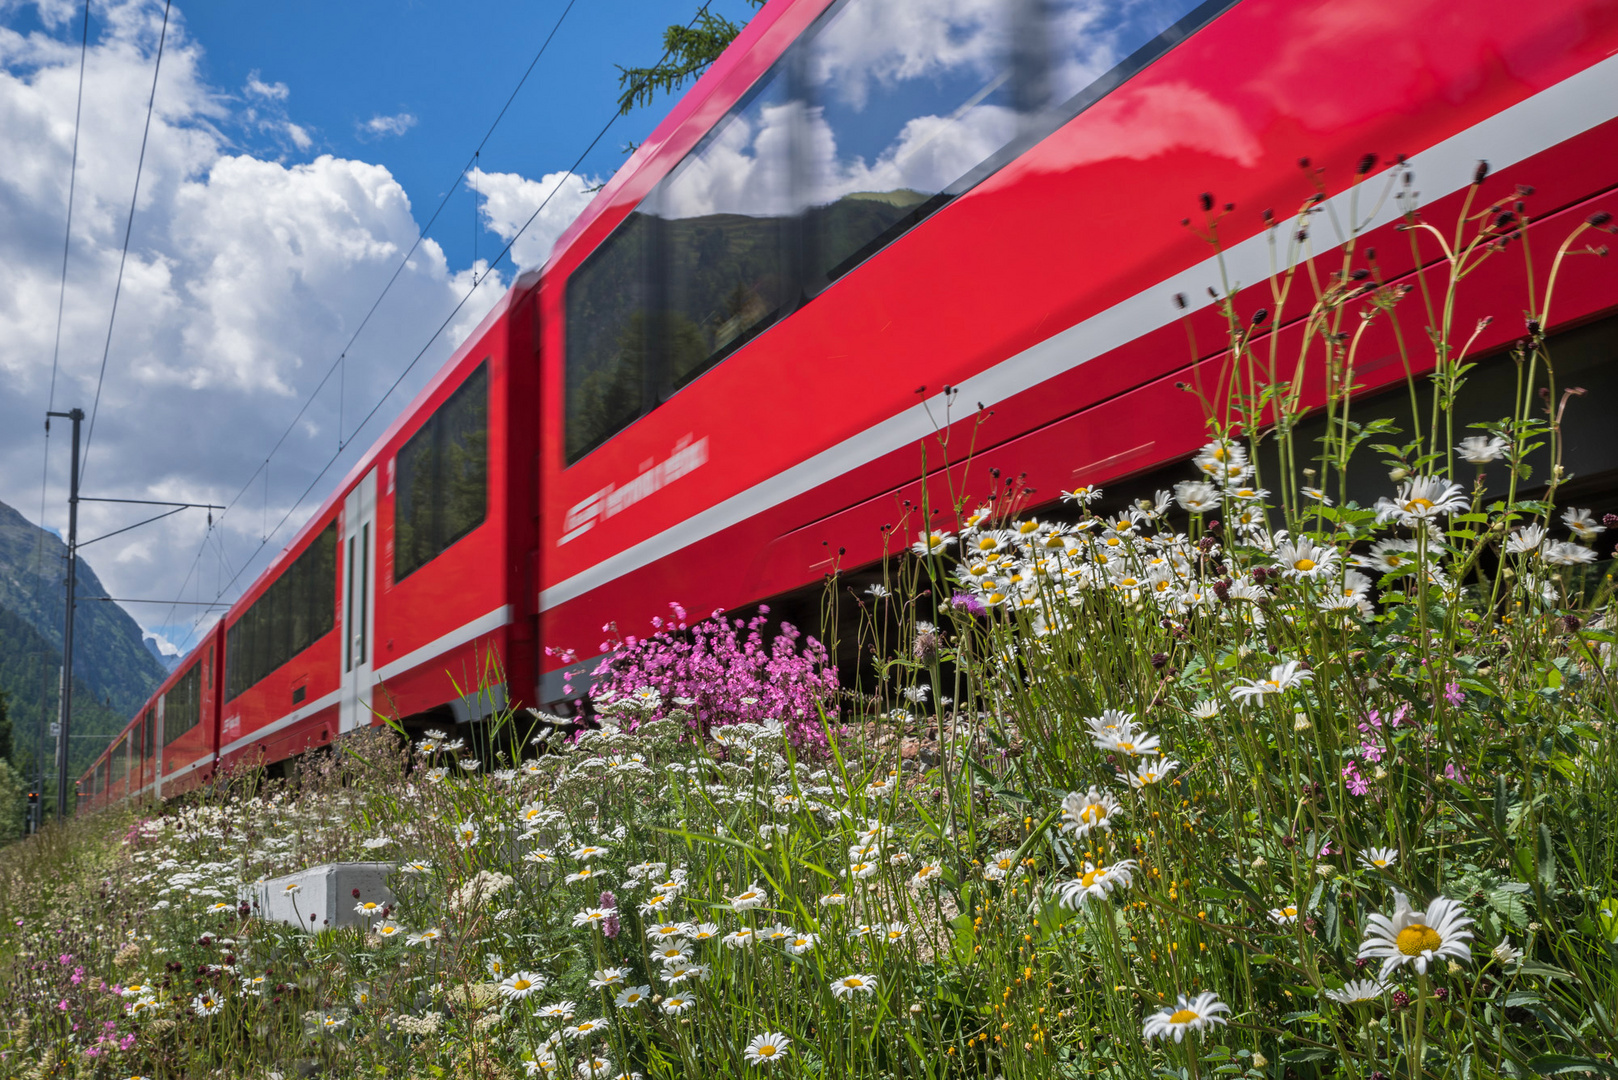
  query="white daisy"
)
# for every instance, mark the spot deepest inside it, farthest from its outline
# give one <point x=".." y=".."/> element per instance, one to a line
<point x="1092" y="810"/>
<point x="633" y="996"/>
<point x="849" y="985"/>
<point x="1421" y="499"/>
<point x="1378" y="858"/>
<point x="520" y="984"/>
<point x="1095" y="883"/>
<point x="1358" y="990"/>
<point x="1191" y="1014"/>
<point x="1417" y="937"/>
<point x="767" y="1049"/>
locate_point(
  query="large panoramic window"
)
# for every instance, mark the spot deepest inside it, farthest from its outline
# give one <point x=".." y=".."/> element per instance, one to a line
<point x="907" y="99"/>
<point x="608" y="313"/>
<point x="443" y="477"/>
<point x="293" y="613"/>
<point x="182" y="705"/>
<point x="882" y="113"/>
<point x="724" y="212"/>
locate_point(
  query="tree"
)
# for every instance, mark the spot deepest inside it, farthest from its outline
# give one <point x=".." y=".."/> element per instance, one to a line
<point x="690" y="49"/>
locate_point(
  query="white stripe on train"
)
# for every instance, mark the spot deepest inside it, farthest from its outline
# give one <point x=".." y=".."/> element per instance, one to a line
<point x="1532" y="126"/>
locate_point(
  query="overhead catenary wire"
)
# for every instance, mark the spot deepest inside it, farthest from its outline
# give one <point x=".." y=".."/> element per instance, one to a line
<point x="421" y="235"/>
<point x="129" y="229"/>
<point x="56" y="355"/>
<point x="442" y="326"/>
<point x="340" y="363"/>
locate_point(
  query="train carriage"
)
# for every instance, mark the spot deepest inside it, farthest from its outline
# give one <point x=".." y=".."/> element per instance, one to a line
<point x="729" y="378"/>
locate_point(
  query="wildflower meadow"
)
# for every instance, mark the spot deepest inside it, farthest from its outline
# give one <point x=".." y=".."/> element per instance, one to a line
<point x="1239" y="778"/>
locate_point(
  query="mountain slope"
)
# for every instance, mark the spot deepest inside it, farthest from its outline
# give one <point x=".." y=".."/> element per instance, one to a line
<point x="109" y="651"/>
<point x="30" y="674"/>
<point x="114" y="670"/>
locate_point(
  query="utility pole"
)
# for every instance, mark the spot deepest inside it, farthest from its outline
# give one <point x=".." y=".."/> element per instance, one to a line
<point x="77" y="416"/>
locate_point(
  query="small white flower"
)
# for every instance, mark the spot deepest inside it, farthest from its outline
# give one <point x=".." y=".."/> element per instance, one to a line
<point x="1482" y="449"/>
<point x="1582" y="523"/>
<point x="850" y="985"/>
<point x="675" y="1004"/>
<point x="521" y="984"/>
<point x="767" y="1049"/>
<point x="1417" y="937"/>
<point x="749" y="898"/>
<point x="1358" y="990"/>
<point x="633" y="997"/>
<point x="1191" y="1014"/>
<point x="1379" y="858"/>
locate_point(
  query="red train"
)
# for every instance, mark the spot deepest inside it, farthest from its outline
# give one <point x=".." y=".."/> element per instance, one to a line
<point x="712" y="385"/>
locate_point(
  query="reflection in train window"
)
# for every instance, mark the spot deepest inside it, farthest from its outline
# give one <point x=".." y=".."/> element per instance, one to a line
<point x="724" y="211"/>
<point x="182" y="705"/>
<point x="1096" y="44"/>
<point x="607" y="332"/>
<point x="907" y="99"/>
<point x="442" y="480"/>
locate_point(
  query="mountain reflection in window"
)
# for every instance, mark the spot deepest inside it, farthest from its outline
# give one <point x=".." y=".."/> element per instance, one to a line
<point x="909" y="98"/>
<point x="607" y="307"/>
<point x="725" y="211"/>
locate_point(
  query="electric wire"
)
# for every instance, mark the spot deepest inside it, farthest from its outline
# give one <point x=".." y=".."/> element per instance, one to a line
<point x="399" y="269"/>
<point x="441" y="328"/>
<point x="50" y="403"/>
<point x="129" y="228"/>
<point x="338" y="364"/>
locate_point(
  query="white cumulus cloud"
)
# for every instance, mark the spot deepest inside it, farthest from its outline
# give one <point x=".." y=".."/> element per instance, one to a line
<point x="510" y="200"/>
<point x="397" y="124"/>
<point x="245" y="280"/>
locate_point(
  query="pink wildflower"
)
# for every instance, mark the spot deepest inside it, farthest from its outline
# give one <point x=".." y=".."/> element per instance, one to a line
<point x="1357" y="784"/>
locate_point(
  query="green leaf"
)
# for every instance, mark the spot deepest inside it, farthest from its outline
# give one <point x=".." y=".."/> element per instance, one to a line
<point x="1308" y="1053"/>
<point x="1546" y="971"/>
<point x="1556" y="1064"/>
<point x="1546" y="858"/>
<point x="1607" y="912"/>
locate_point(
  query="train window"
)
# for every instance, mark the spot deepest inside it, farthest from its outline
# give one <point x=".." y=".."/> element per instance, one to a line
<point x="725" y="211"/>
<point x="442" y="482"/>
<point x="292" y="614"/>
<point x="607" y="332"/>
<point x="908" y="101"/>
<point x="182" y="705"/>
<point x="1096" y="45"/>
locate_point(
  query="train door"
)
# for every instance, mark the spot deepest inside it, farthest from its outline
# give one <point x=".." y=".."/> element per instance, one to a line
<point x="359" y="603"/>
<point x="157" y="750"/>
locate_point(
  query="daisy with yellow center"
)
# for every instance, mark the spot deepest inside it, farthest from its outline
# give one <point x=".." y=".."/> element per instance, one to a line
<point x="1003" y="863"/>
<point x="1378" y="858"/>
<point x="767" y="1049"/>
<point x="521" y="984"/>
<point x="1189" y="1014"/>
<point x="1095" y="883"/>
<point x="1417" y="937"/>
<point x="1092" y="810"/>
<point x="849" y="985"/>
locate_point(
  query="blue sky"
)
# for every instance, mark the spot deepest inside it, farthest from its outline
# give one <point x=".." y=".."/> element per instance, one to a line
<point x="430" y="77"/>
<point x="295" y="150"/>
<point x="450" y="66"/>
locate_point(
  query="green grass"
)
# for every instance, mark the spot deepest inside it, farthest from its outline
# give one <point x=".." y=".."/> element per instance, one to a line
<point x="1045" y="886"/>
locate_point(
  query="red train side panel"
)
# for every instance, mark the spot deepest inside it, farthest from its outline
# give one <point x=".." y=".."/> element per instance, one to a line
<point x="1045" y="290"/>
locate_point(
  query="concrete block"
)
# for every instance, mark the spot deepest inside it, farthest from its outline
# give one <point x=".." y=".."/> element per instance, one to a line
<point x="326" y="892"/>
